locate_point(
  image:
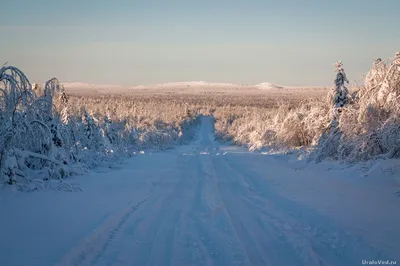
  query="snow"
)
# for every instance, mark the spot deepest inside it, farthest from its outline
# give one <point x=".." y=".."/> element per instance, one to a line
<point x="73" y="86"/>
<point x="83" y="85"/>
<point x="187" y="84"/>
<point x="194" y="206"/>
<point x="267" y="85"/>
<point x="190" y="83"/>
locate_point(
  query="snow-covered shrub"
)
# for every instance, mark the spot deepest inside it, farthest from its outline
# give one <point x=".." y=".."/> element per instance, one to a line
<point x="16" y="98"/>
<point x="133" y="124"/>
<point x="46" y="134"/>
<point x="301" y="126"/>
<point x="284" y="126"/>
<point x="370" y="126"/>
<point x="354" y="126"/>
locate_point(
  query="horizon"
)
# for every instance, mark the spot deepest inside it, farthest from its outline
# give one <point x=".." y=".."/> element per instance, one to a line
<point x="192" y="83"/>
<point x="136" y="43"/>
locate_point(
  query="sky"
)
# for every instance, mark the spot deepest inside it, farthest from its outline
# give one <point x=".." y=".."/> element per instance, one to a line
<point x="285" y="42"/>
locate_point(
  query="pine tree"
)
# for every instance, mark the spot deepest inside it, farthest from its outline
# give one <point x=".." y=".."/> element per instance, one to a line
<point x="330" y="138"/>
<point x="64" y="111"/>
<point x="89" y="126"/>
<point x="340" y="90"/>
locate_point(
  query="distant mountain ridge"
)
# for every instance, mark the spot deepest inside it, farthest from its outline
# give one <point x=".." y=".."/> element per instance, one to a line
<point x="83" y="85"/>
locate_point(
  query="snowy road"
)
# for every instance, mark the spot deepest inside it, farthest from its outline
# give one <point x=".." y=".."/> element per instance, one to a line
<point x="202" y="204"/>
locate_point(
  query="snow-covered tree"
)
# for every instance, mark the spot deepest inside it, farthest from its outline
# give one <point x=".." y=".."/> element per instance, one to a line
<point x="45" y="136"/>
<point x="64" y="111"/>
<point x="341" y="93"/>
<point x="330" y="138"/>
<point x="90" y="127"/>
<point x="16" y="96"/>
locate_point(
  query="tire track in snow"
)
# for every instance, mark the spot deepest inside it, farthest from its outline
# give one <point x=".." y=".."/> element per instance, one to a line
<point x="316" y="239"/>
<point x="281" y="227"/>
<point x="255" y="238"/>
<point x="212" y="222"/>
<point x="143" y="233"/>
<point x="212" y="168"/>
<point x="150" y="236"/>
<point x="220" y="221"/>
<point x="170" y="212"/>
<point x="91" y="249"/>
<point x="204" y="244"/>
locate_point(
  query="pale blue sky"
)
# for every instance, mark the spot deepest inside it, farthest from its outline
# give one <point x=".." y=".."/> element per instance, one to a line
<point x="288" y="42"/>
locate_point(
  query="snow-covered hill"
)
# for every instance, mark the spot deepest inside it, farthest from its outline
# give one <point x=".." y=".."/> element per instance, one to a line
<point x="83" y="85"/>
<point x="267" y="85"/>
<point x="182" y="84"/>
<point x="194" y="84"/>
